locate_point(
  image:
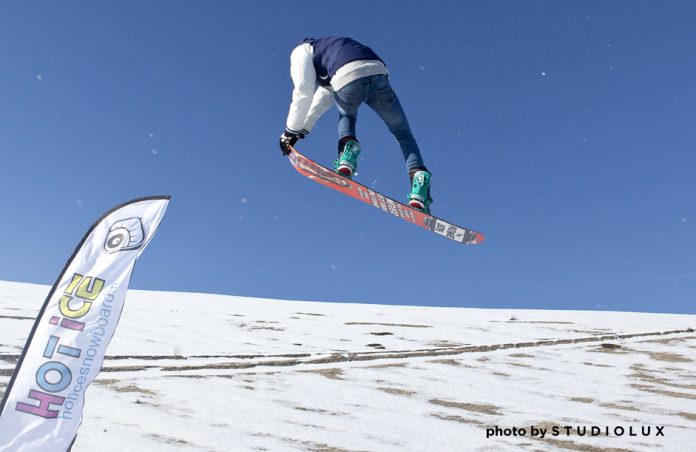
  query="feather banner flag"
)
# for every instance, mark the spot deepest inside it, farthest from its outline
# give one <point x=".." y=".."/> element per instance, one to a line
<point x="42" y="406"/>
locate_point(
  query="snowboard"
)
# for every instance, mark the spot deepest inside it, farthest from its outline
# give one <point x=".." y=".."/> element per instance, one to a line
<point x="329" y="178"/>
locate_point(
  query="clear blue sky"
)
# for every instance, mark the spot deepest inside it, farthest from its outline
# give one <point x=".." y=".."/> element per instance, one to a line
<point x="562" y="130"/>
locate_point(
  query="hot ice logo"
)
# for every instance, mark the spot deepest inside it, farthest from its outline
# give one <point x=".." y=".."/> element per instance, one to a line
<point x="56" y="374"/>
<point x="125" y="235"/>
<point x="41" y="409"/>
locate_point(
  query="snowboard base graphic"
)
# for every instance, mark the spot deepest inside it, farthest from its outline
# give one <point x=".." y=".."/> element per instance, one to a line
<point x="327" y="177"/>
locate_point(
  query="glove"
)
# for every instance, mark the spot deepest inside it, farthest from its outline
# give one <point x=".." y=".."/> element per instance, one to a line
<point x="288" y="139"/>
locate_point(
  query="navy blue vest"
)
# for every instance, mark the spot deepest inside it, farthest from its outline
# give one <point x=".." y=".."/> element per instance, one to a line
<point x="332" y="53"/>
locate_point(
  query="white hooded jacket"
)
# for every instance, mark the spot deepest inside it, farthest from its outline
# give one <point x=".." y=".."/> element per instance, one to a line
<point x="309" y="100"/>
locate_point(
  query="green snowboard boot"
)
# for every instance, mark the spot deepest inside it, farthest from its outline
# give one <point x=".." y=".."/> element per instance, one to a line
<point x="419" y="198"/>
<point x="347" y="161"/>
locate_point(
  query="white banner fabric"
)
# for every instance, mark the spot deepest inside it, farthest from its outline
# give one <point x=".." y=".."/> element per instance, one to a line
<point x="42" y="407"/>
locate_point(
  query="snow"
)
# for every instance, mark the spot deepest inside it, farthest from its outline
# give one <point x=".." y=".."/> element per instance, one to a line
<point x="218" y="373"/>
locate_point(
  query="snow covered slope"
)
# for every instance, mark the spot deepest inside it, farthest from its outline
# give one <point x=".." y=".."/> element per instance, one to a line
<point x="220" y="373"/>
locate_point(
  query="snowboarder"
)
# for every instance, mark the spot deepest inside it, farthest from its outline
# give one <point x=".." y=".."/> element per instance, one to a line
<point x="341" y="70"/>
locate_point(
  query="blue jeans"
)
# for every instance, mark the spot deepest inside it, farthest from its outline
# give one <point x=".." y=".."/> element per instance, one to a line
<point x="377" y="93"/>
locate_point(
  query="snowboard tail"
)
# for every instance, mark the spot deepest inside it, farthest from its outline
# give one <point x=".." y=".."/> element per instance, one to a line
<point x="329" y="178"/>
